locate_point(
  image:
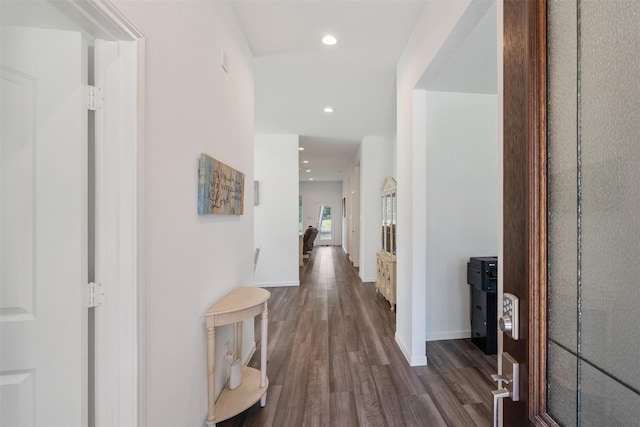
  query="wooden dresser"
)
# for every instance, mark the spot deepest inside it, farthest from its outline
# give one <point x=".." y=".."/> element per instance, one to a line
<point x="386" y="259"/>
<point x="386" y="280"/>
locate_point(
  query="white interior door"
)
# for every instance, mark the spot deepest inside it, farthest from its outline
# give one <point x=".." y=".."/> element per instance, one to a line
<point x="43" y="228"/>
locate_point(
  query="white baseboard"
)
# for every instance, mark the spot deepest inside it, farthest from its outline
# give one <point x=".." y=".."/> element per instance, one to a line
<point x="369" y="279"/>
<point x="448" y="335"/>
<point x="277" y="284"/>
<point x="355" y="262"/>
<point x="413" y="360"/>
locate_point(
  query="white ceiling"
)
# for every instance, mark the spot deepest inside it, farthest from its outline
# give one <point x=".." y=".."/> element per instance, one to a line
<point x="297" y="76"/>
<point x="468" y="60"/>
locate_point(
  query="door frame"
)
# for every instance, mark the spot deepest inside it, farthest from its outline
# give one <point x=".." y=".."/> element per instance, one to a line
<point x="525" y="164"/>
<point x="333" y="239"/>
<point x="119" y="322"/>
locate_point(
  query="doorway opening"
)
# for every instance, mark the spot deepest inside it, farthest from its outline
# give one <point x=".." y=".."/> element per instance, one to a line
<point x="58" y="155"/>
<point x="325" y="223"/>
<point x="457" y="137"/>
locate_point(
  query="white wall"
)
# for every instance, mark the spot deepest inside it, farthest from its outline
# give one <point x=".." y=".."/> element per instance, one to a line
<point x="435" y="23"/>
<point x="276" y="216"/>
<point x="353" y="213"/>
<point x="462" y="199"/>
<point x="345" y="218"/>
<point x="316" y="193"/>
<point x="192" y="106"/>
<point x="376" y="163"/>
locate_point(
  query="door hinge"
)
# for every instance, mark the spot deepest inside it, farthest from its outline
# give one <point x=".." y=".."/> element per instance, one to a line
<point x="95" y="98"/>
<point x="95" y="295"/>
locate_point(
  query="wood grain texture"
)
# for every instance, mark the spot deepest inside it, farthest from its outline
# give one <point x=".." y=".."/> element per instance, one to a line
<point x="343" y="410"/>
<point x="524" y="262"/>
<point x="516" y="182"/>
<point x="420" y="411"/>
<point x="333" y="360"/>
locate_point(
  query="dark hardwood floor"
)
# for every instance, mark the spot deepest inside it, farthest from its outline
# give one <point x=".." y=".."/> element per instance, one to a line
<point x="333" y="361"/>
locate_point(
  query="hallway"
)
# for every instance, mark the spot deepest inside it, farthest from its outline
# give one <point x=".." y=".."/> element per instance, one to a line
<point x="333" y="361"/>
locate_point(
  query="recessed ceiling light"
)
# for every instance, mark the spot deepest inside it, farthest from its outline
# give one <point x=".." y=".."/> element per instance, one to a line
<point x="328" y="110"/>
<point x="329" y="40"/>
<point x="301" y="148"/>
<point x="308" y="170"/>
<point x="310" y="179"/>
<point x="305" y="161"/>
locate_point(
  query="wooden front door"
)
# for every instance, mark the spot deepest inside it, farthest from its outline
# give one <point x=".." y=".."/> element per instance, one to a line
<point x="523" y="205"/>
<point x="571" y="204"/>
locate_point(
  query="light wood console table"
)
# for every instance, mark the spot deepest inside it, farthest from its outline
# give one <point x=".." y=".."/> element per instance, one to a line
<point x="241" y="303"/>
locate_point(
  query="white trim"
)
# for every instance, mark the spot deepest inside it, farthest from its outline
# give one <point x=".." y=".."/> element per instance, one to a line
<point x="448" y="335"/>
<point x="420" y="256"/>
<point x="372" y="279"/>
<point x="500" y="84"/>
<point x="117" y="333"/>
<point x="100" y="18"/>
<point x="277" y="284"/>
<point x="130" y="200"/>
<point x="418" y="361"/>
<point x="106" y="236"/>
<point x="414" y="360"/>
<point x="120" y="382"/>
<point x="140" y="233"/>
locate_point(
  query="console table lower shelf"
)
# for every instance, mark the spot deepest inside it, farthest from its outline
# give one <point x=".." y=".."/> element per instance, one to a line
<point x="241" y="303"/>
<point x="232" y="402"/>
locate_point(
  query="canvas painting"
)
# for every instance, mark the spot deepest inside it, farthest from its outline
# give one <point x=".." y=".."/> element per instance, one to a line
<point x="220" y="188"/>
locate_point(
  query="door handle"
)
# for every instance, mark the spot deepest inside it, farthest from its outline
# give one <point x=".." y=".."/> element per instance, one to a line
<point x="511" y="378"/>
<point x="500" y="379"/>
<point x="497" y="395"/>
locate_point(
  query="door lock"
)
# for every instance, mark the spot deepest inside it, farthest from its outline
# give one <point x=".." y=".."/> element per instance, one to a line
<point x="508" y="322"/>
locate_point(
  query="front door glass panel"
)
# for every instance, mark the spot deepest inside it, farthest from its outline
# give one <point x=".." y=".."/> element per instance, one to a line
<point x="593" y="330"/>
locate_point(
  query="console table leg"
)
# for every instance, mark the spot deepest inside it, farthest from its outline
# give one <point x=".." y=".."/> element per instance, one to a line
<point x="211" y="370"/>
<point x="263" y="347"/>
<point x="238" y="339"/>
